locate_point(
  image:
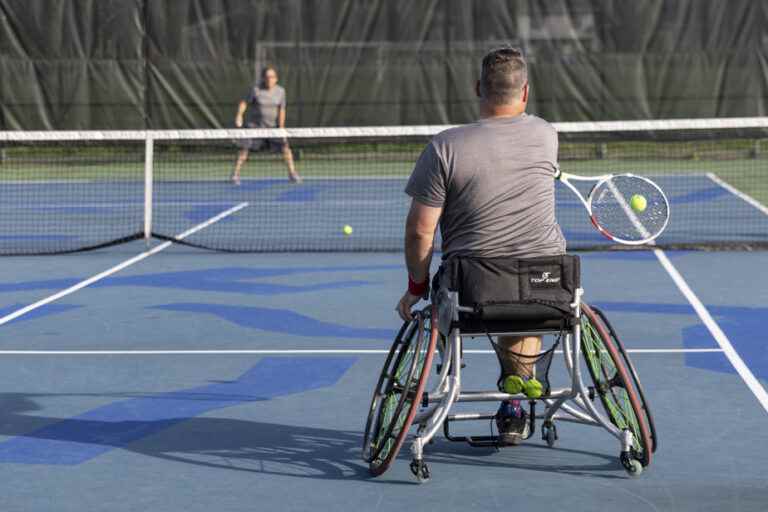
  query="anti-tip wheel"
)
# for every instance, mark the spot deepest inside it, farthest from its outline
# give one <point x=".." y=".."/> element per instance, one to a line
<point x="549" y="434"/>
<point x="632" y="466"/>
<point x="420" y="470"/>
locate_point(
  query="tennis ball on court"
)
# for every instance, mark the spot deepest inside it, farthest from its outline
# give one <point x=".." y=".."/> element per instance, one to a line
<point x="532" y="388"/>
<point x="347" y="229"/>
<point x="638" y="203"/>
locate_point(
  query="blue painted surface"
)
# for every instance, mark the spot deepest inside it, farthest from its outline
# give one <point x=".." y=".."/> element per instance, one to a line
<point x="203" y="212"/>
<point x="742" y="325"/>
<point x="116" y="425"/>
<point x="83" y="210"/>
<point x="303" y="194"/>
<point x="705" y="194"/>
<point x="38" y="237"/>
<point x="226" y="279"/>
<point x="47" y="310"/>
<point x="282" y="321"/>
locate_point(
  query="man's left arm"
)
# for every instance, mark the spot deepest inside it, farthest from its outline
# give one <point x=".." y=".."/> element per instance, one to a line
<point x="420" y="228"/>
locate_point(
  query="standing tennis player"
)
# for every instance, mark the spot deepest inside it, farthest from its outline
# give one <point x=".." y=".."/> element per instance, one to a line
<point x="265" y="105"/>
<point x="491" y="187"/>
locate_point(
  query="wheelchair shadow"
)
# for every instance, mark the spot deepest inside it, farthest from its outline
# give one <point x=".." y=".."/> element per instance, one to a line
<point x="528" y="456"/>
<point x="221" y="443"/>
<point x="271" y="448"/>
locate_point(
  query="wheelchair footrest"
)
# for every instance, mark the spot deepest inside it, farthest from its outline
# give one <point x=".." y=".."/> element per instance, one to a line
<point x="477" y="441"/>
<point x="483" y="441"/>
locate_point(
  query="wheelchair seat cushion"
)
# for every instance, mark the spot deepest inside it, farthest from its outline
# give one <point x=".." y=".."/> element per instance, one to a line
<point x="532" y="290"/>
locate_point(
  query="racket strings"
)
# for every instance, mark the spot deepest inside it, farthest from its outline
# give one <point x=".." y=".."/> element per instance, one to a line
<point x="611" y="204"/>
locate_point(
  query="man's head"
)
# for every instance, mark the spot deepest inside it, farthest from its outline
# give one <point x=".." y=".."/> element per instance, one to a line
<point x="269" y="77"/>
<point x="503" y="79"/>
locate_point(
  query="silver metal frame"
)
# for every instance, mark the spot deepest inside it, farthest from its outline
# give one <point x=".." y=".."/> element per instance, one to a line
<point x="571" y="404"/>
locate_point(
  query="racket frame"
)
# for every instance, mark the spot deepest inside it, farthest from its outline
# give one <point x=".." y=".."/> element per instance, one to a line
<point x="648" y="238"/>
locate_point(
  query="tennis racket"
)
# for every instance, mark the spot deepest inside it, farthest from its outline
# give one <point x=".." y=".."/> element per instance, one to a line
<point x="625" y="208"/>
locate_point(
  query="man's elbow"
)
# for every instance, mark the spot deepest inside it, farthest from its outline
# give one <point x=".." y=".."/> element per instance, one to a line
<point x="417" y="234"/>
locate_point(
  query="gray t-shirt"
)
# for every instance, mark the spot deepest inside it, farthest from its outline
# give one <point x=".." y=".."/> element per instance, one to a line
<point x="495" y="181"/>
<point x="264" y="105"/>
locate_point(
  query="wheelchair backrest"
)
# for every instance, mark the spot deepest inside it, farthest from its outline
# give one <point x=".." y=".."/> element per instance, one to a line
<point x="502" y="287"/>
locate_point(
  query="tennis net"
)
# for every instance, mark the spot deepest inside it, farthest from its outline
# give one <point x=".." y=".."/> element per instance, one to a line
<point x="71" y="191"/>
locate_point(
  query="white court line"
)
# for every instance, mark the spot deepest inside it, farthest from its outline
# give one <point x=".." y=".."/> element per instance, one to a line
<point x="738" y="193"/>
<point x="119" y="267"/>
<point x="294" y="352"/>
<point x="738" y="363"/>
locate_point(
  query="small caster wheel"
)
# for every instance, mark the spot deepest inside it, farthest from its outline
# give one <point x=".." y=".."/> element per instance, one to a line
<point x="420" y="470"/>
<point x="633" y="466"/>
<point x="549" y="433"/>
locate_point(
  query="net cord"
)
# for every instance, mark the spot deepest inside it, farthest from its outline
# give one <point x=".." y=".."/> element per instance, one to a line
<point x="372" y="131"/>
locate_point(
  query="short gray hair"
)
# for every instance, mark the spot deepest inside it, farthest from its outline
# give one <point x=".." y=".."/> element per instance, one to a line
<point x="503" y="76"/>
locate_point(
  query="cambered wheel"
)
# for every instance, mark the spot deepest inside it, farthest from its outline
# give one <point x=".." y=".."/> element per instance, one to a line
<point x="616" y="386"/>
<point x="633" y="374"/>
<point x="397" y="396"/>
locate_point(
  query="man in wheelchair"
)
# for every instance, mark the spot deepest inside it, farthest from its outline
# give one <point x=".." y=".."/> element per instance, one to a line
<point x="490" y="187"/>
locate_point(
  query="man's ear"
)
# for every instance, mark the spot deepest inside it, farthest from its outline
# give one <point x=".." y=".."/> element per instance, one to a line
<point x="477" y="88"/>
<point x="526" y="89"/>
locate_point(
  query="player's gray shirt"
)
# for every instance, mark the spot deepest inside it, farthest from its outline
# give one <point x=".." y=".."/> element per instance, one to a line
<point x="264" y="105"/>
<point x="495" y="181"/>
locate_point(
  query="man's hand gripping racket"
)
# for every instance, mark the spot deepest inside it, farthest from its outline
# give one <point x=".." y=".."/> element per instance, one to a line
<point x="625" y="208"/>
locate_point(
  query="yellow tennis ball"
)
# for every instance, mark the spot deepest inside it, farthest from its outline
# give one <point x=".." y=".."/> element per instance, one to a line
<point x="638" y="203"/>
<point x="513" y="385"/>
<point x="533" y="388"/>
<point x="347" y="229"/>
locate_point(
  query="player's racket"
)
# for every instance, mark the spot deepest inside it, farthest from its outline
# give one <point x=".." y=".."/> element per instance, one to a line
<point x="625" y="208"/>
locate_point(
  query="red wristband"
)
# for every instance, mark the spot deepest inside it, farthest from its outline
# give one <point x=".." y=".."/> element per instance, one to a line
<point x="418" y="289"/>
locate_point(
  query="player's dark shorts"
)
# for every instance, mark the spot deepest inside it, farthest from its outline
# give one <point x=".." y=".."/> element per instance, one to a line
<point x="273" y="145"/>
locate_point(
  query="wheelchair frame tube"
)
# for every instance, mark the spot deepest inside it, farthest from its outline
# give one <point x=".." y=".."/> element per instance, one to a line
<point x="440" y="412"/>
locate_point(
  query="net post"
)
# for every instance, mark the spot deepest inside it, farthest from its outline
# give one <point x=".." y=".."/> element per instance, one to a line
<point x="149" y="150"/>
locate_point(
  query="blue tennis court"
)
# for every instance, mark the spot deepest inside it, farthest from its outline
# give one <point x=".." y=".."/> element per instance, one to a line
<point x="213" y="380"/>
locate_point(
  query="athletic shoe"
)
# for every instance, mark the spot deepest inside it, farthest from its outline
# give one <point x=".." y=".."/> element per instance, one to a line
<point x="512" y="422"/>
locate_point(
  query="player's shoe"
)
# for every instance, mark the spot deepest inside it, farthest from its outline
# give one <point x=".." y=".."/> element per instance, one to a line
<point x="294" y="177"/>
<point x="235" y="180"/>
<point x="512" y="422"/>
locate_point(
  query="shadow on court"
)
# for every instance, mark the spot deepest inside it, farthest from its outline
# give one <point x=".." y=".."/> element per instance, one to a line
<point x="273" y="448"/>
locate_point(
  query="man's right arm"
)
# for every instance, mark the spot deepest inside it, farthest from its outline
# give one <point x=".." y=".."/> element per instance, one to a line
<point x="427" y="190"/>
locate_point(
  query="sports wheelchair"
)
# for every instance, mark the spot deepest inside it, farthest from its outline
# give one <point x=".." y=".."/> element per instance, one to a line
<point x="506" y="296"/>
